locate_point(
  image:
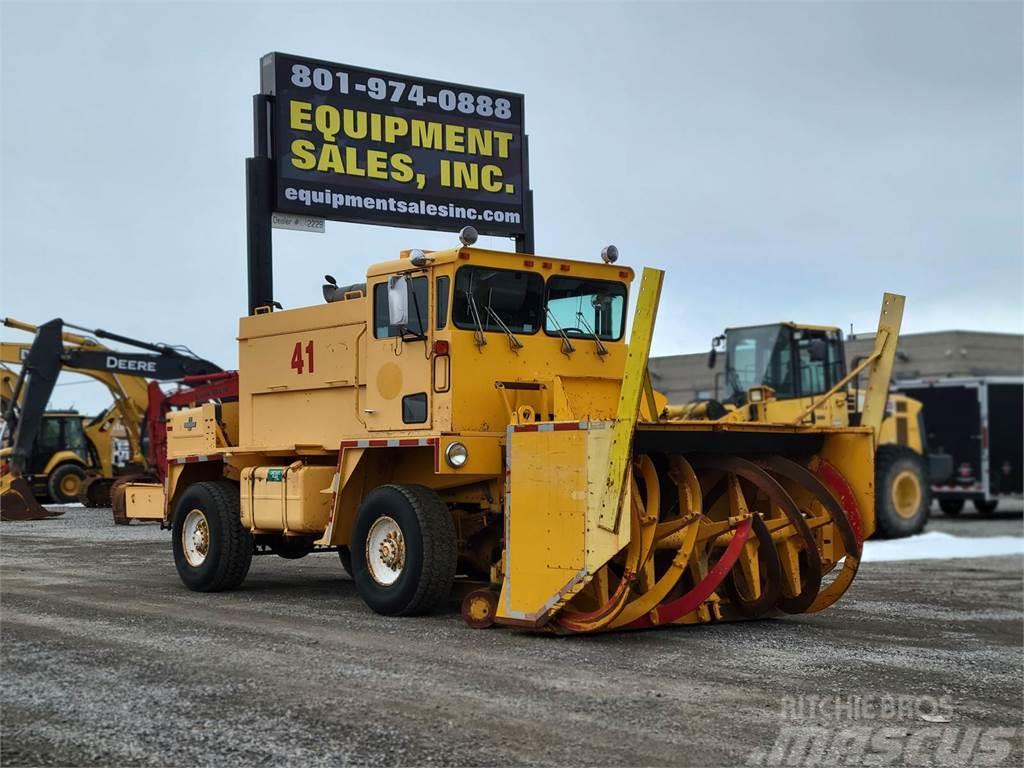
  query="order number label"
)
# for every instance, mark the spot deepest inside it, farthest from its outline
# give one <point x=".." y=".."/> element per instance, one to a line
<point x="302" y="357"/>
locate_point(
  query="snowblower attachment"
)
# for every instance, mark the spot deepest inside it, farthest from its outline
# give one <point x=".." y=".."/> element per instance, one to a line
<point x="633" y="523"/>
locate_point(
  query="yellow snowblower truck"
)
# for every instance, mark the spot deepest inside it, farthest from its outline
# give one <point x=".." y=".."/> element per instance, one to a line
<point x="475" y="419"/>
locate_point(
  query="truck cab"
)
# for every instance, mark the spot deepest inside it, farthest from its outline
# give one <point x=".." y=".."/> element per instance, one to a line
<point x="463" y="341"/>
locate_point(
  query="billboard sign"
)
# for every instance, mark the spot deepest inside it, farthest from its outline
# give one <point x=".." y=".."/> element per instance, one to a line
<point x="361" y="145"/>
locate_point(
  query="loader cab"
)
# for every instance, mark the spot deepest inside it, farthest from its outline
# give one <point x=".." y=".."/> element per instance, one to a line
<point x="796" y="361"/>
<point x="59" y="433"/>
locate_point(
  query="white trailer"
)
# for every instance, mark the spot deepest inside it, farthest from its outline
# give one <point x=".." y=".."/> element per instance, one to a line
<point x="980" y="422"/>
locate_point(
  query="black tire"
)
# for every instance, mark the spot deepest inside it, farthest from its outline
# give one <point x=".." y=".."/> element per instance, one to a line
<point x="96" y="492"/>
<point x="897" y="464"/>
<point x="290" y="547"/>
<point x="229" y="551"/>
<point x="345" y="556"/>
<point x="425" y="580"/>
<point x="951" y="507"/>
<point x="60" y="475"/>
<point x="986" y="507"/>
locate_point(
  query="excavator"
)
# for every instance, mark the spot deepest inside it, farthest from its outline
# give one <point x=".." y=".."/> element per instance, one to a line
<point x="73" y="456"/>
<point x="130" y="377"/>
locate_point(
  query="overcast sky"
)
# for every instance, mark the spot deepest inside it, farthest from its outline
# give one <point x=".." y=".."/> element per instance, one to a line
<point x="780" y="160"/>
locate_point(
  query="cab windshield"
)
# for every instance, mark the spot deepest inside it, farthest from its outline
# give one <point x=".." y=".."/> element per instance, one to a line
<point x="800" y="362"/>
<point x="497" y="296"/>
<point x="581" y="308"/>
<point x="759" y="355"/>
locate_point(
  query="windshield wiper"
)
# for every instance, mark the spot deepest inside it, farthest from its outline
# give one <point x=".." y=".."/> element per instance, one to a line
<point x="567" y="347"/>
<point x="419" y="319"/>
<point x="478" y="334"/>
<point x="602" y="350"/>
<point x="513" y="342"/>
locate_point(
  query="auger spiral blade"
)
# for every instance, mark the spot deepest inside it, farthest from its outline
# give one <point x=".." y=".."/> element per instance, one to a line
<point x="736" y="538"/>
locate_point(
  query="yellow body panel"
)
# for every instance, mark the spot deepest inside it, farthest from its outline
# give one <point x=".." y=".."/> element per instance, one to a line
<point x="852" y="452"/>
<point x="144" y="501"/>
<point x="293" y="499"/>
<point x="554" y="542"/>
<point x="880" y="372"/>
<point x="901" y="425"/>
<point x="628" y="411"/>
<point x="61" y="457"/>
<point x="194" y="432"/>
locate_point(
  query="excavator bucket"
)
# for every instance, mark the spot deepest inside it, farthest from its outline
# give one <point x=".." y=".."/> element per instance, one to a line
<point x="631" y="524"/>
<point x="18" y="503"/>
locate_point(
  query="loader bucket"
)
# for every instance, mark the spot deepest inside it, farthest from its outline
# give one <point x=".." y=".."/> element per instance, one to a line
<point x="716" y="523"/>
<point x="18" y="503"/>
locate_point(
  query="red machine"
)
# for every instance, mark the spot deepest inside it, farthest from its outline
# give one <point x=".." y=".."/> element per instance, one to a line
<point x="192" y="391"/>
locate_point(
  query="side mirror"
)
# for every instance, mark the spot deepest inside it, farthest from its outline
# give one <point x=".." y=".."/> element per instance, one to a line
<point x="398" y="301"/>
<point x="713" y="354"/>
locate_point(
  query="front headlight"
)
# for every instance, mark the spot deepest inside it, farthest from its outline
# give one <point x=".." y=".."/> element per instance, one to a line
<point x="456" y="454"/>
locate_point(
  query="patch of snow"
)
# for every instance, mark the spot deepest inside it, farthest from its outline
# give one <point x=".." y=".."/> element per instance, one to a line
<point x="940" y="546"/>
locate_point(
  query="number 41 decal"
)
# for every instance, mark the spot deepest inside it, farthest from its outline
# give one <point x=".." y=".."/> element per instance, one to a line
<point x="297" y="360"/>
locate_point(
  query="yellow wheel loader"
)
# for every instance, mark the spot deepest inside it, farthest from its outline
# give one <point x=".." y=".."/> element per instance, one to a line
<point x="790" y="373"/>
<point x="475" y="420"/>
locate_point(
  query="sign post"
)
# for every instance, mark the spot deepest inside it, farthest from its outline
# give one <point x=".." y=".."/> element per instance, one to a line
<point x="332" y="141"/>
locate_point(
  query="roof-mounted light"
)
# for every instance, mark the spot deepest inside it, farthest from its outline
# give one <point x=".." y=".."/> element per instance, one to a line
<point x="609" y="254"/>
<point x="468" y="235"/>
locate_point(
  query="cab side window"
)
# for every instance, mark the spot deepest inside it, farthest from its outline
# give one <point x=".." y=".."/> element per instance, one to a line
<point x="418" y="305"/>
<point x="441" y="292"/>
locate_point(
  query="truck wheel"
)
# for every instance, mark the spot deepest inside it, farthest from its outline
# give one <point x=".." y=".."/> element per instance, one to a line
<point x="65" y="482"/>
<point x="902" y="493"/>
<point x="404" y="552"/>
<point x="212" y="551"/>
<point x="345" y="556"/>
<point x="986" y="507"/>
<point x="951" y="507"/>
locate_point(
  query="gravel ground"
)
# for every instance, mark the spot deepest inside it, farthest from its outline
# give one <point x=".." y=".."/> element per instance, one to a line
<point x="108" y="659"/>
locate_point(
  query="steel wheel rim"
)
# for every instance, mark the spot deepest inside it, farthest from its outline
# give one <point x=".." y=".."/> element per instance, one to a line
<point x="906" y="494"/>
<point x="195" y="537"/>
<point x="70" y="485"/>
<point x="385" y="551"/>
